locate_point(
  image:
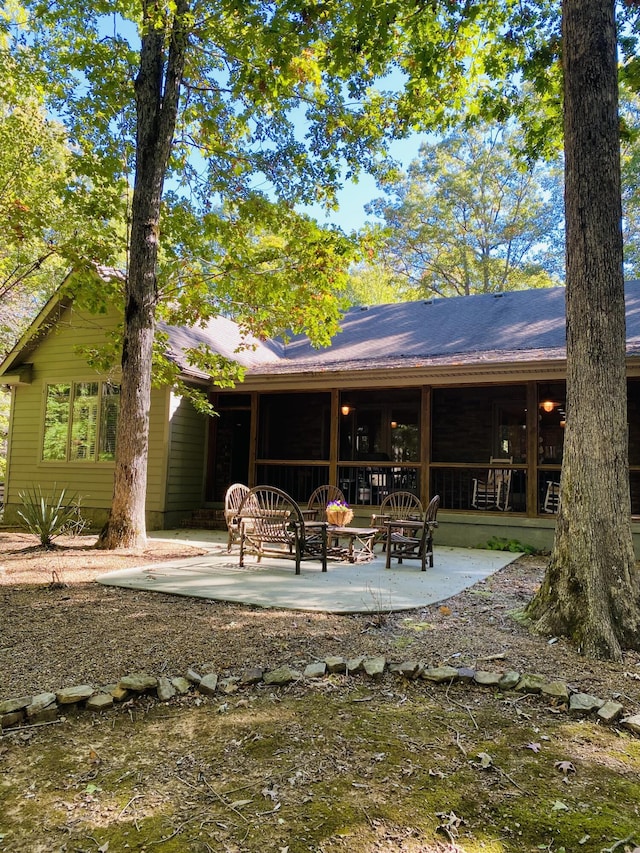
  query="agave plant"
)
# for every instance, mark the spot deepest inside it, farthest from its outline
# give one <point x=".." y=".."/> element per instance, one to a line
<point x="49" y="516"/>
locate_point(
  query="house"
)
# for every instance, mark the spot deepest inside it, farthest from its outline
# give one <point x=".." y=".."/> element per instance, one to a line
<point x="417" y="396"/>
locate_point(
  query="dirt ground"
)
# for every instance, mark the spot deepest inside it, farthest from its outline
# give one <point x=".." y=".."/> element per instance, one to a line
<point x="340" y="764"/>
<point x="76" y="631"/>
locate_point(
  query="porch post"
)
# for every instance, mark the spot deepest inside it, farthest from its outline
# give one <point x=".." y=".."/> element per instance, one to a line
<point x="333" y="437"/>
<point x="253" y="439"/>
<point x="533" y="422"/>
<point x="425" y="444"/>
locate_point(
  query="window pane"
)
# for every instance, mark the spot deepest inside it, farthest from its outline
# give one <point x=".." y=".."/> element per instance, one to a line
<point x="109" y="421"/>
<point x="56" y="422"/>
<point x="85" y="421"/>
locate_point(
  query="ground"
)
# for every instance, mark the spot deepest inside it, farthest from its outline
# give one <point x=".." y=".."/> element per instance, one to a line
<point x="75" y="631"/>
<point x="340" y="765"/>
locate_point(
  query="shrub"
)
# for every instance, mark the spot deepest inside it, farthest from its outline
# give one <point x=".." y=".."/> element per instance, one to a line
<point x="513" y="545"/>
<point x="49" y="516"/>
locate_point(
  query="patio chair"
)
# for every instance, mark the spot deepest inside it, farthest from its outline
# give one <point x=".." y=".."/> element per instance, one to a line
<point x="399" y="504"/>
<point x="413" y="540"/>
<point x="317" y="503"/>
<point x="552" y="497"/>
<point x="494" y="490"/>
<point x="272" y="525"/>
<point x="232" y="500"/>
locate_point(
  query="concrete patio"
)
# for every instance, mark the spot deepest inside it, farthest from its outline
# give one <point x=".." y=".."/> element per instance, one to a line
<point x="344" y="588"/>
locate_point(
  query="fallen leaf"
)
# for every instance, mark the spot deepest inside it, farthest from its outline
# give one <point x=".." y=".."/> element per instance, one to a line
<point x="485" y="760"/>
<point x="446" y="611"/>
<point x="534" y="747"/>
<point x="559" y="806"/>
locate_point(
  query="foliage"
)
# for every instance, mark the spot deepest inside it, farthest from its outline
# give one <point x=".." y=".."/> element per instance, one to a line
<point x="52" y="515"/>
<point x="471" y="217"/>
<point x="496" y="543"/>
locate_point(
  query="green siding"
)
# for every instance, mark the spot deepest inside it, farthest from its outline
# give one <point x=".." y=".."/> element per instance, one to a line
<point x="55" y="360"/>
<point x="186" y="471"/>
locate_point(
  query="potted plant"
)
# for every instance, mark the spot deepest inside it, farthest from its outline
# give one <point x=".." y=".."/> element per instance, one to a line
<point x="339" y="513"/>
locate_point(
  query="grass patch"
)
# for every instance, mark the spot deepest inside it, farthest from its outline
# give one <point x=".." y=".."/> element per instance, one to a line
<point x="328" y="769"/>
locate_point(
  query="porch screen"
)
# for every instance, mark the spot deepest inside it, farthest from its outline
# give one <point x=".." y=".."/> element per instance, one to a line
<point x="294" y="426"/>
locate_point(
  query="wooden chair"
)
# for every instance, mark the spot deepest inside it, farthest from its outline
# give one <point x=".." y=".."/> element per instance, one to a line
<point x="272" y="525"/>
<point x="551" y="497"/>
<point x="494" y="490"/>
<point x="399" y="504"/>
<point x="232" y="500"/>
<point x="413" y="540"/>
<point x="317" y="503"/>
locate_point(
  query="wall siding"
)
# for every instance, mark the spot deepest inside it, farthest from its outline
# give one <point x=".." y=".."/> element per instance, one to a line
<point x="56" y="360"/>
<point x="186" y="458"/>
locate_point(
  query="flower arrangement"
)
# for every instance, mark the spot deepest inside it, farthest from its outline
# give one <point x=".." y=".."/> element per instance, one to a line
<point x="339" y="513"/>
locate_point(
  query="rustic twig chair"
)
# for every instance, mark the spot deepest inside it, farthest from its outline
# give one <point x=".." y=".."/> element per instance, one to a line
<point x="272" y="525"/>
<point x="318" y="500"/>
<point x="494" y="490"/>
<point x="552" y="497"/>
<point x="399" y="504"/>
<point x="232" y="500"/>
<point x="413" y="540"/>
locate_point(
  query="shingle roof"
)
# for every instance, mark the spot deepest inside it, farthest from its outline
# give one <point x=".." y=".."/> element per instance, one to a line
<point x="516" y="326"/>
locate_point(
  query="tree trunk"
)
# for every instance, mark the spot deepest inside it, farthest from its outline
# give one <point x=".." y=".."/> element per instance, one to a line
<point x="591" y="591"/>
<point x="157" y="89"/>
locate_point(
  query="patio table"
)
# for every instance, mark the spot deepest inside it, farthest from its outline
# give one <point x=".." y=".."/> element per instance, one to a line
<point x="359" y="543"/>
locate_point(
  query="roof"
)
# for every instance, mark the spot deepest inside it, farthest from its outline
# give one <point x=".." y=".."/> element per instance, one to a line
<point x="522" y="327"/>
<point x="517" y="326"/>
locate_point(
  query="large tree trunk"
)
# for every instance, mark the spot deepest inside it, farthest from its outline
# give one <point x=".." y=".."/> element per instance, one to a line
<point x="157" y="90"/>
<point x="591" y="591"/>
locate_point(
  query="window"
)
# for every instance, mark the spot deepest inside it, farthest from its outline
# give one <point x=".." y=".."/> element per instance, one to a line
<point x="80" y="422"/>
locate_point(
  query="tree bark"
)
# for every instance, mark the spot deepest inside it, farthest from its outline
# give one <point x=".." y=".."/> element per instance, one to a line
<point x="591" y="590"/>
<point x="157" y="90"/>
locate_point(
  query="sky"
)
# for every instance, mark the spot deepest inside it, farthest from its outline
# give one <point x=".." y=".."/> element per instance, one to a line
<point x="354" y="196"/>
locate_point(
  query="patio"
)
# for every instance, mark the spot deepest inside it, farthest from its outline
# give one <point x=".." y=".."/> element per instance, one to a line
<point x="344" y="588"/>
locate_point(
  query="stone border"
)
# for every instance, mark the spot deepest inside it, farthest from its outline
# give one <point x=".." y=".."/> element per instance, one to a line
<point x="45" y="707"/>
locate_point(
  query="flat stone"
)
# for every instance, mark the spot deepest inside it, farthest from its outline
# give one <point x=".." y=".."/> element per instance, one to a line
<point x="79" y="693"/>
<point x="138" y="682"/>
<point x="530" y="683"/>
<point x="555" y="690"/>
<point x="440" y="674"/>
<point x="486" y="678"/>
<point x="118" y="693"/>
<point x="282" y="675"/>
<point x="193" y="676"/>
<point x="509" y="680"/>
<point x="46" y="715"/>
<point x="466" y="674"/>
<point x="335" y="664"/>
<point x="374" y="667"/>
<point x="355" y="665"/>
<point x="181" y="684"/>
<point x="610" y="711"/>
<point x="580" y="703"/>
<point x="13" y="718"/>
<point x="165" y="689"/>
<point x="8" y="706"/>
<point x="315" y="670"/>
<point x="253" y="675"/>
<point x="632" y="723"/>
<point x="208" y="684"/>
<point x="40" y="703"/>
<point x="99" y="702"/>
<point x="409" y="669"/>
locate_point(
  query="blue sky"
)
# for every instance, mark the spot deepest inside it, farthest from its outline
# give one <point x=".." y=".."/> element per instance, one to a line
<point x="354" y="196"/>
